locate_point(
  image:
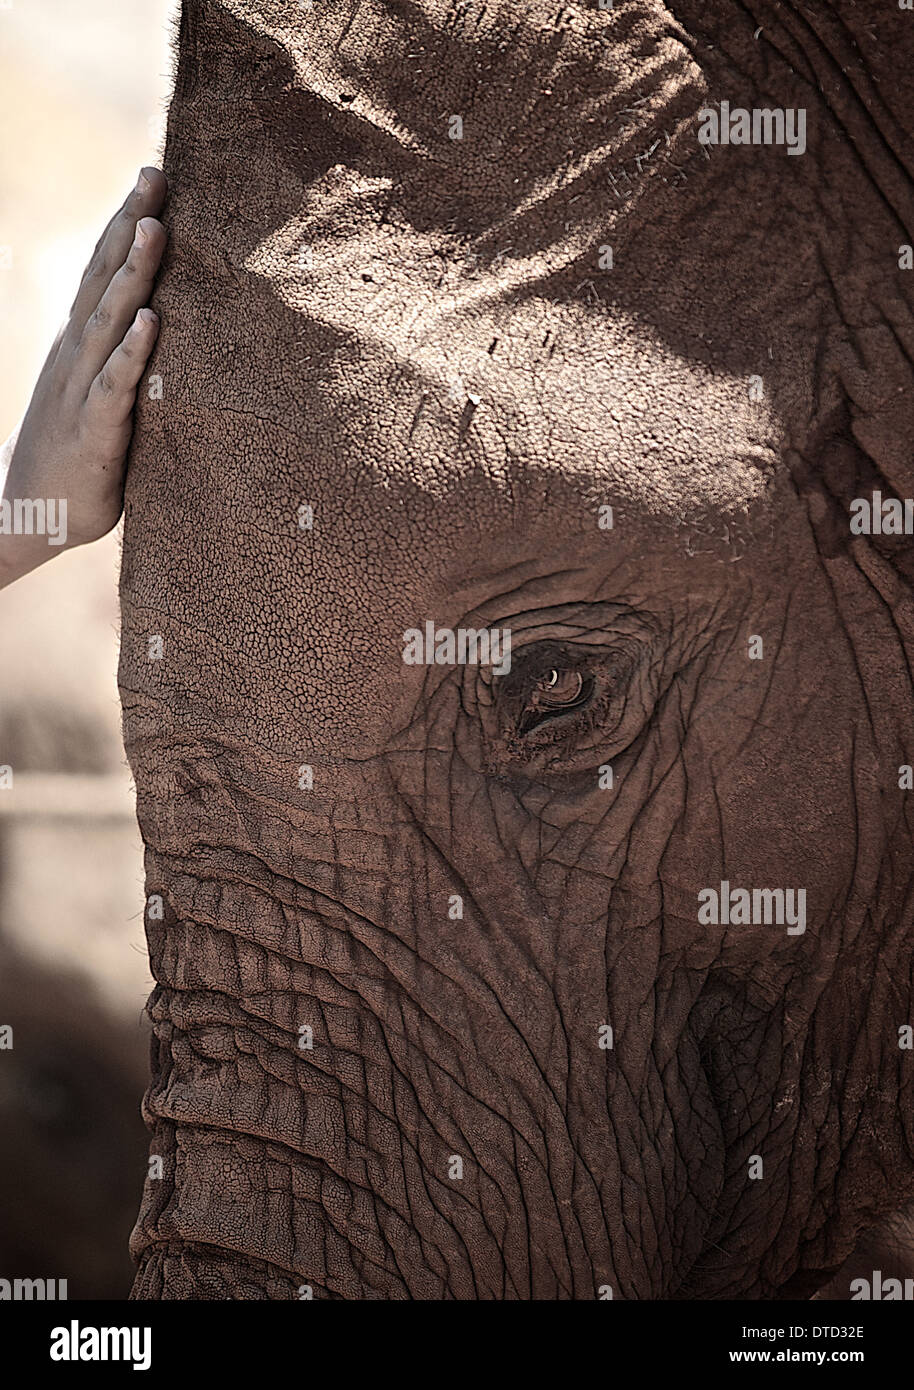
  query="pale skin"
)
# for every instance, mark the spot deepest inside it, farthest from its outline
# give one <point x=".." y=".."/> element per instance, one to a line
<point x="72" y="442"/>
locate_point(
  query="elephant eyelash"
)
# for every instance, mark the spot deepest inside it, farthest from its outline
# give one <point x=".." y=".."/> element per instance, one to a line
<point x="599" y="716"/>
<point x="530" y="724"/>
<point x="533" y="718"/>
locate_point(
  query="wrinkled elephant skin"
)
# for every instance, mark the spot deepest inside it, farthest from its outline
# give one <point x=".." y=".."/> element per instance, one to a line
<point x="457" y="348"/>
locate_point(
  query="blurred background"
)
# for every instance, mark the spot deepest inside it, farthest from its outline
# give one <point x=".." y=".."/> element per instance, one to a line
<point x="83" y="95"/>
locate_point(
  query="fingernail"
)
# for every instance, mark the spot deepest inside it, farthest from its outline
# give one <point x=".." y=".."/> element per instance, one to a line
<point x="142" y="184"/>
<point x="140" y="236"/>
<point x="147" y="316"/>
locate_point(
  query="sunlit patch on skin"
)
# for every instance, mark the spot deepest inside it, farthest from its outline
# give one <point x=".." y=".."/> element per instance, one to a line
<point x="672" y="437"/>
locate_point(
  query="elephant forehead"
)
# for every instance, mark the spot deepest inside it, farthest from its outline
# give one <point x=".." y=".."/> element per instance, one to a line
<point x="488" y="380"/>
<point x="540" y="90"/>
<point x="357" y="521"/>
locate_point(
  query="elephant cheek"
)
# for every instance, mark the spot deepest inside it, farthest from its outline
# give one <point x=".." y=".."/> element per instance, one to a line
<point x="368" y="1081"/>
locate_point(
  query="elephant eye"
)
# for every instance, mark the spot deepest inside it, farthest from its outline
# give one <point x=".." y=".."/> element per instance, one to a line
<point x="558" y="690"/>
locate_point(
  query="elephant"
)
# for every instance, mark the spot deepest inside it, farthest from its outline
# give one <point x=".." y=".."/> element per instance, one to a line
<point x="519" y="704"/>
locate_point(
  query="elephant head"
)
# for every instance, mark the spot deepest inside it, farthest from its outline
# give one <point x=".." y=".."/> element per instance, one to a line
<point x="519" y="722"/>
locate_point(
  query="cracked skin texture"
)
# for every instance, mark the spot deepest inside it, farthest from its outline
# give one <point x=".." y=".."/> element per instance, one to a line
<point x="411" y="334"/>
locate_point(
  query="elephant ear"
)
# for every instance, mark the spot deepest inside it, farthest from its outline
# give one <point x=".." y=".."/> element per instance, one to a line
<point x="828" y="260"/>
<point x="867" y="254"/>
<point x="861" y="60"/>
<point x="877" y="373"/>
<point x="861" y="443"/>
